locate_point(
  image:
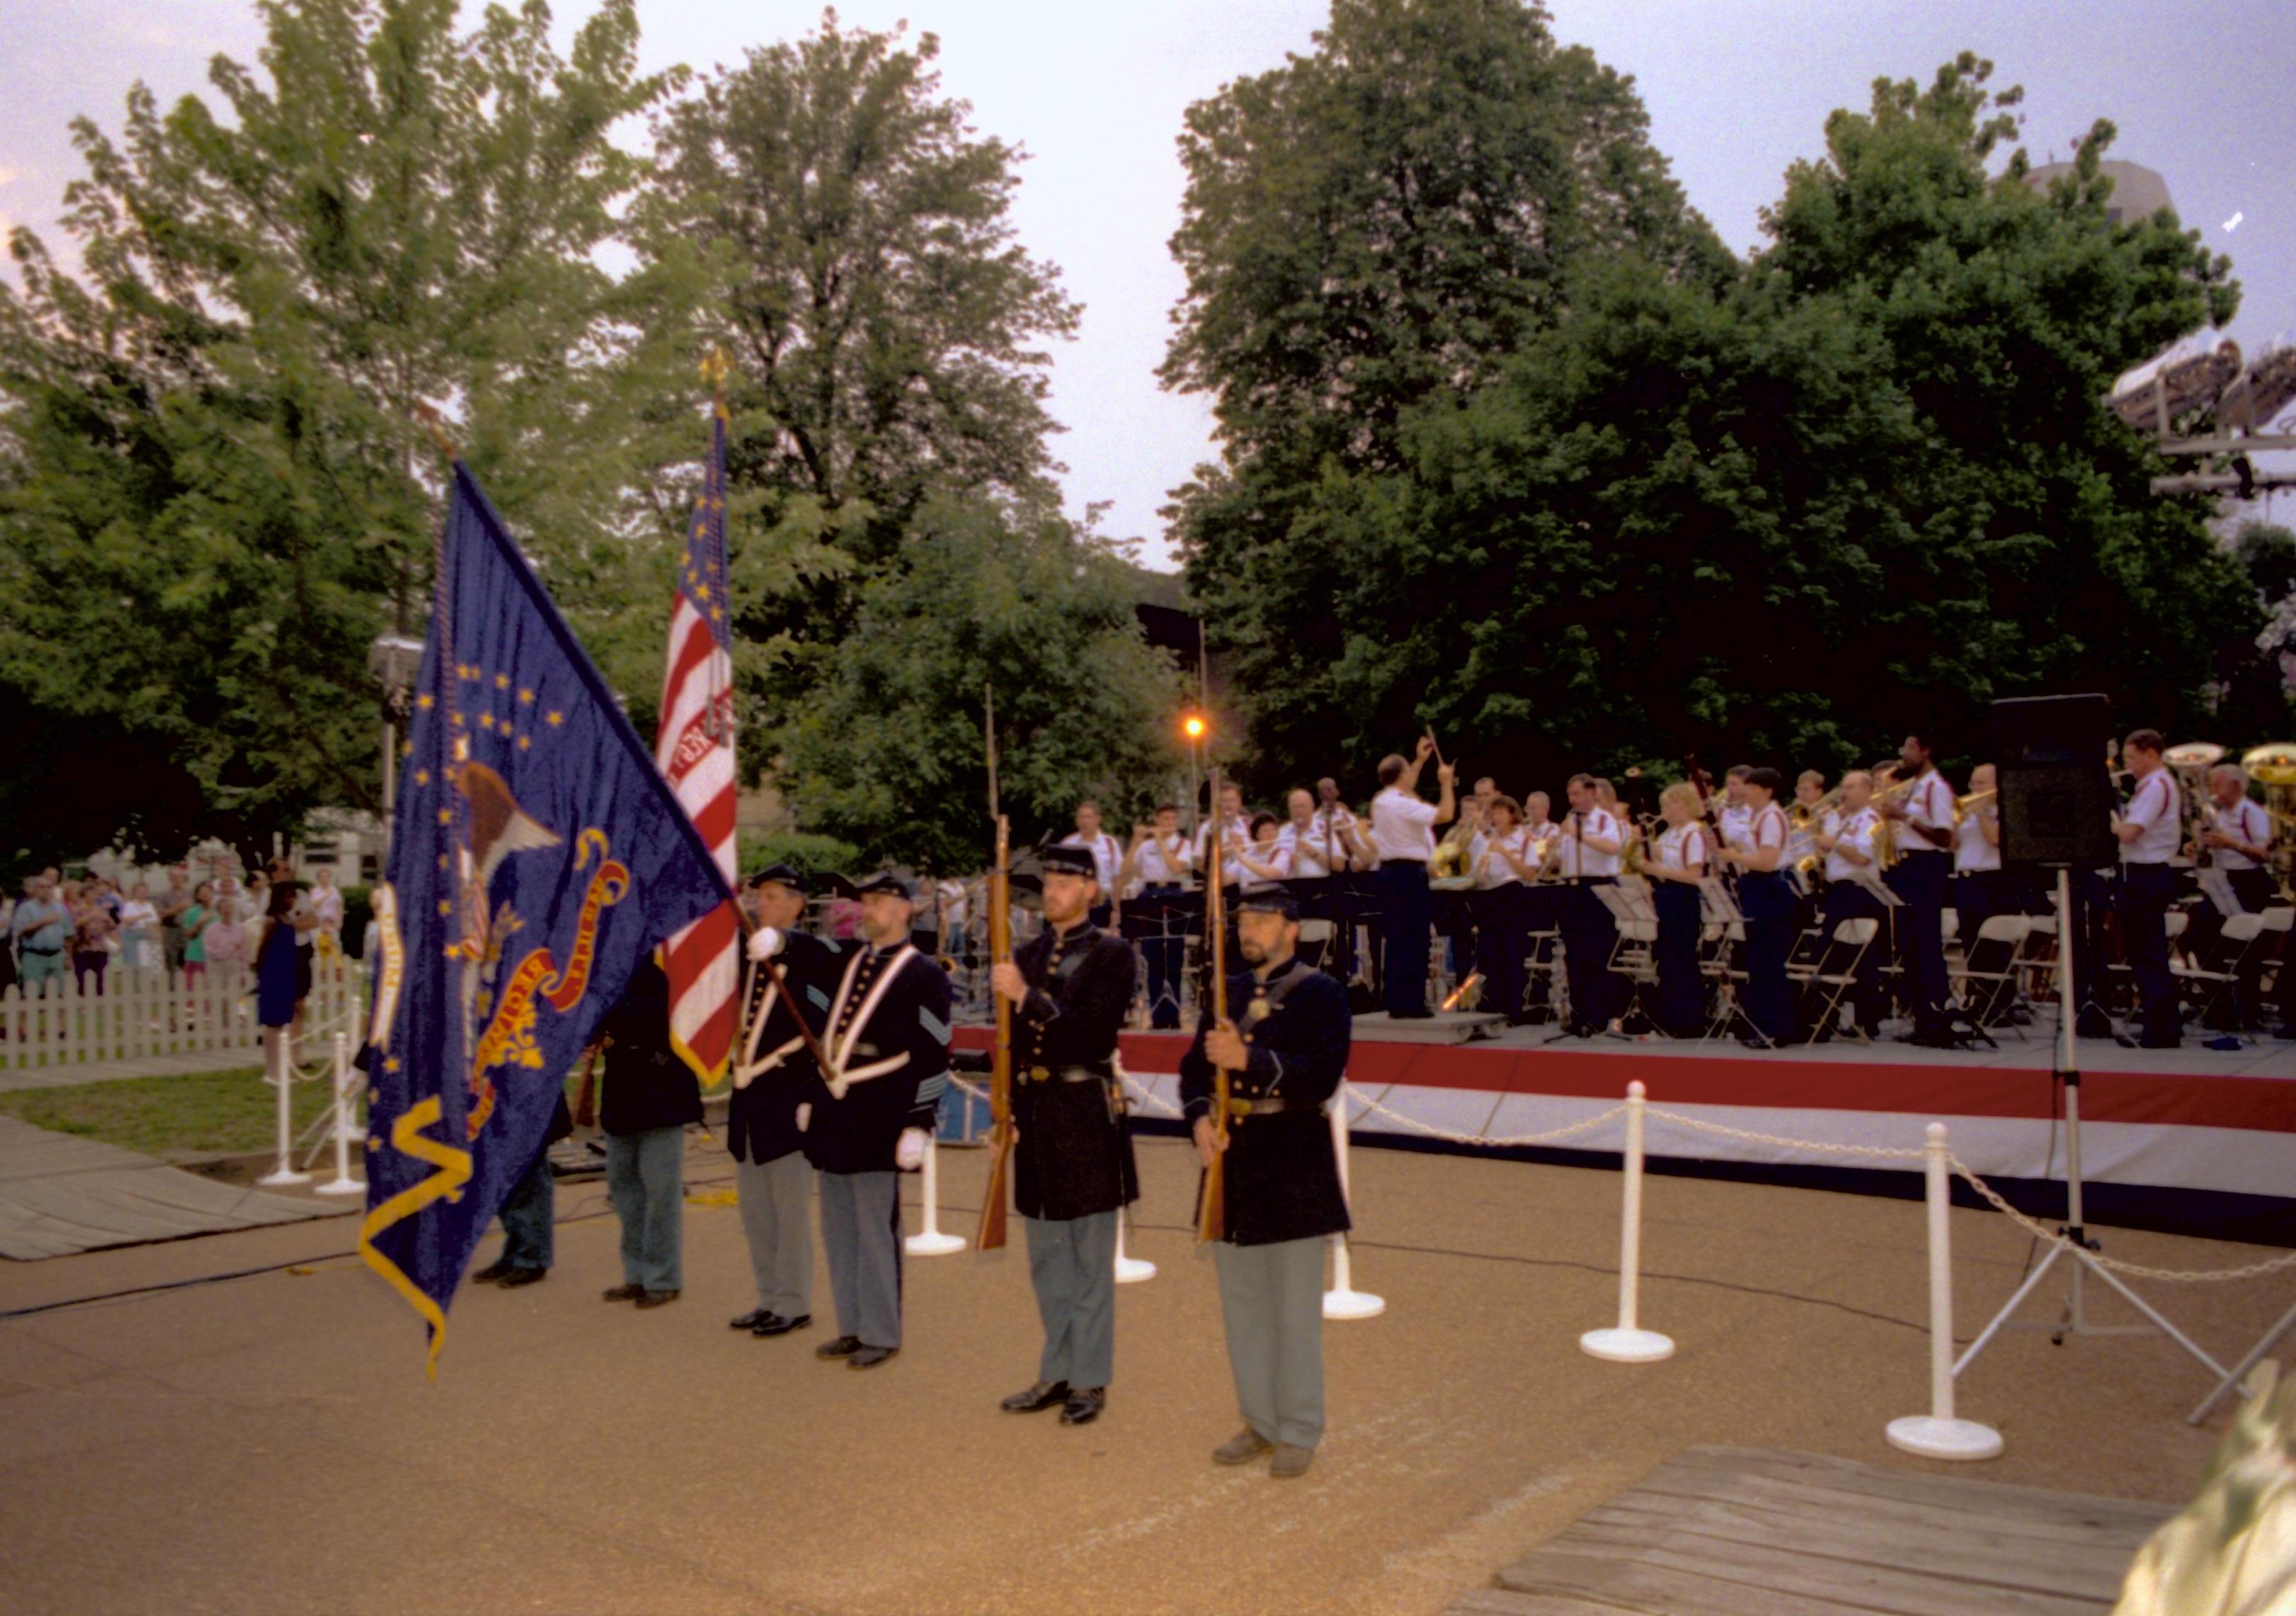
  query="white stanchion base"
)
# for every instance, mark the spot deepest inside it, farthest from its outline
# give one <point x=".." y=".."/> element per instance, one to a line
<point x="1132" y="1270"/>
<point x="340" y="1186"/>
<point x="1935" y="1438"/>
<point x="1353" y="1304"/>
<point x="282" y="1176"/>
<point x="1626" y="1346"/>
<point x="936" y="1244"/>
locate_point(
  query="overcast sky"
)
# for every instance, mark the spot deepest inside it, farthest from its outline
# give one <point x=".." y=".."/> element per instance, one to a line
<point x="1736" y="89"/>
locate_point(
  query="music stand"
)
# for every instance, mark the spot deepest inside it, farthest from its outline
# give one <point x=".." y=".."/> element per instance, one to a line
<point x="2074" y="1320"/>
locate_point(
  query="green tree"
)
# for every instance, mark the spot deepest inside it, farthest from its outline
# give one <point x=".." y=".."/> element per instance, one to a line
<point x="217" y="489"/>
<point x="889" y="755"/>
<point x="1368" y="228"/>
<point x="885" y="326"/>
<point x="1867" y="485"/>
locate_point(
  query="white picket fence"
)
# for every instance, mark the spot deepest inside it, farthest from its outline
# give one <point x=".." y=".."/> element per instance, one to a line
<point x="140" y="1013"/>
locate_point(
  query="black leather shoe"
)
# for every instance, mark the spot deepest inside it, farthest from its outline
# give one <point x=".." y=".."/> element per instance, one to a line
<point x="523" y="1276"/>
<point x="869" y="1357"/>
<point x="657" y="1298"/>
<point x="623" y="1293"/>
<point x="750" y="1320"/>
<point x="493" y="1274"/>
<point x="1084" y="1407"/>
<point x="844" y="1346"/>
<point x="1041" y="1396"/>
<point x="774" y="1324"/>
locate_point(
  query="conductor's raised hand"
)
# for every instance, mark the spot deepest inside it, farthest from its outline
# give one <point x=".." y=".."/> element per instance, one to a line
<point x="1445" y="773"/>
<point x="1426" y="748"/>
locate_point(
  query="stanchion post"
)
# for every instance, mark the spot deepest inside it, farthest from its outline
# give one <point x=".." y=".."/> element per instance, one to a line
<point x="930" y="1241"/>
<point x="342" y="1183"/>
<point x="1131" y="1270"/>
<point x="1629" y="1342"/>
<point x="283" y="1075"/>
<point x="1343" y="1301"/>
<point x="1939" y="1434"/>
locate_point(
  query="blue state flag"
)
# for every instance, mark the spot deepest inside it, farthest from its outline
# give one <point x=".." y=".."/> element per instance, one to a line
<point x="537" y="856"/>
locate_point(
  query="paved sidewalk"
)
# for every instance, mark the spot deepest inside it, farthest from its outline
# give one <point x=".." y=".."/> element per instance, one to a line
<point x="145" y="1066"/>
<point x="60" y="1195"/>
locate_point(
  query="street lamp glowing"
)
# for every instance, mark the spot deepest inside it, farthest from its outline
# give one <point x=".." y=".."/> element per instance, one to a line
<point x="1193" y="725"/>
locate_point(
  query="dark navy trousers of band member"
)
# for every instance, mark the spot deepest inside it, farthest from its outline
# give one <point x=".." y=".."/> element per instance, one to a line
<point x="1920" y="879"/>
<point x="1073" y="1169"/>
<point x="1165" y="952"/>
<point x="1768" y="902"/>
<point x="1590" y="936"/>
<point x="1847" y="901"/>
<point x="893" y="1049"/>
<point x="1681" y="993"/>
<point x="1283" y="1192"/>
<point x="650" y="1096"/>
<point x="2146" y="891"/>
<point x="1406" y="912"/>
<point x="773" y="1182"/>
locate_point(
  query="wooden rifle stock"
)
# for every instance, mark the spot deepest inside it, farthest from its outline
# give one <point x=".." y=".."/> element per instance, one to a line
<point x="1211" y="1211"/>
<point x="992" y="1232"/>
<point x="586" y="1103"/>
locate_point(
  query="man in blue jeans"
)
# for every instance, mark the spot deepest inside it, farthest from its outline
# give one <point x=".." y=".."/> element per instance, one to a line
<point x="650" y="1096"/>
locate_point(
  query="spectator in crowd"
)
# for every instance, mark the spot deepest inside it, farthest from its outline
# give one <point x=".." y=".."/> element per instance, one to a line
<point x="227" y="933"/>
<point x="197" y="916"/>
<point x="172" y="905"/>
<point x="95" y="935"/>
<point x="7" y="944"/>
<point x="139" y="930"/>
<point x="277" y="1002"/>
<point x="326" y="901"/>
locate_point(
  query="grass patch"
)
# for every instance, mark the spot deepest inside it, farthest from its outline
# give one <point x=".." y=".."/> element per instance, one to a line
<point x="204" y="1113"/>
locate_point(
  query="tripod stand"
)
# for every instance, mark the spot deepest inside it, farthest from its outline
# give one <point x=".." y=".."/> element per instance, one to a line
<point x="2074" y="1319"/>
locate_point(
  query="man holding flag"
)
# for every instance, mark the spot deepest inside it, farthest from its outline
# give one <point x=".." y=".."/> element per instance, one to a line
<point x="537" y="854"/>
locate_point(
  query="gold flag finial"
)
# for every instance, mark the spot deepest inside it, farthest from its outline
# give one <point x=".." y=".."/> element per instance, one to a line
<point x="431" y="419"/>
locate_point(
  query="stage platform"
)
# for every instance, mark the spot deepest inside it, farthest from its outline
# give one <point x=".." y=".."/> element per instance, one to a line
<point x="2191" y="1141"/>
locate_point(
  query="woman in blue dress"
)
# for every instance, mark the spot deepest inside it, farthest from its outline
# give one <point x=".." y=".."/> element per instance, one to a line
<point x="276" y="973"/>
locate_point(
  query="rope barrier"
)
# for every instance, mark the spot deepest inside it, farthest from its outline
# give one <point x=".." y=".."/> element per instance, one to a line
<point x="2186" y="1276"/>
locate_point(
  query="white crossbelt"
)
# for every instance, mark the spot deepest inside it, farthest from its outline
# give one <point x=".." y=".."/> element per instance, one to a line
<point x="838" y="1050"/>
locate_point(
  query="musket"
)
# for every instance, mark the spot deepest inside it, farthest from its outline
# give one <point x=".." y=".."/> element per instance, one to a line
<point x="991" y="1235"/>
<point x="1211" y="1209"/>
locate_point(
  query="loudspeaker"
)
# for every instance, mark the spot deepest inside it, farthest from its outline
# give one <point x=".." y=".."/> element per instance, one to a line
<point x="2056" y="799"/>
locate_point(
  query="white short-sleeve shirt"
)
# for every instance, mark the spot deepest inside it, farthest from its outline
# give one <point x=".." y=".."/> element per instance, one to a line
<point x="1402" y="826"/>
<point x="1971" y="851"/>
<point x="2244" y="821"/>
<point x="2157" y="806"/>
<point x="1856" y="833"/>
<point x="1107" y="856"/>
<point x="1577" y="858"/>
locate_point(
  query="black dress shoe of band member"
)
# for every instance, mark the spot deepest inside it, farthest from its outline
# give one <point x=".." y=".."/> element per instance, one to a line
<point x="622" y="1294"/>
<point x="869" y="1357"/>
<point x="844" y="1346"/>
<point x="523" y="1276"/>
<point x="657" y="1298"/>
<point x="1043" y="1395"/>
<point x="493" y="1274"/>
<point x="750" y="1320"/>
<point x="1084" y="1406"/>
<point x="774" y="1324"/>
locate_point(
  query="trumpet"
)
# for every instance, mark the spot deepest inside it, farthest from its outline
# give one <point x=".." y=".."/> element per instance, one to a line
<point x="2192" y="761"/>
<point x="1807" y="815"/>
<point x="1969" y="800"/>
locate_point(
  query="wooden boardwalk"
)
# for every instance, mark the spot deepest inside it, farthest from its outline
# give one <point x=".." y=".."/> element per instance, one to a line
<point x="1741" y="1532"/>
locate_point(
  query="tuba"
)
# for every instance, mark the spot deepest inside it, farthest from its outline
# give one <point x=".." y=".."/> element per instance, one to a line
<point x="2273" y="766"/>
<point x="2192" y="761"/>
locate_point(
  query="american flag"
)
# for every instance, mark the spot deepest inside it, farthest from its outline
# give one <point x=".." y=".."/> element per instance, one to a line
<point x="695" y="750"/>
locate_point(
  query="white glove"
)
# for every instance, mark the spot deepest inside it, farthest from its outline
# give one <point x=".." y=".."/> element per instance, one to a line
<point x="765" y="942"/>
<point x="804" y="1115"/>
<point x="909" y="1154"/>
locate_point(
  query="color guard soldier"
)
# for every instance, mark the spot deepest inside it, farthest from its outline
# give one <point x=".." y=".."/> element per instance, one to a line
<point x="772" y="1180"/>
<point x="1073" y="1173"/>
<point x="1285" y="1050"/>
<point x="866" y="1120"/>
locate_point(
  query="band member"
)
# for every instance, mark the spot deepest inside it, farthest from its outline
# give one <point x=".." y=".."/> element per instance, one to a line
<point x="1504" y="861"/>
<point x="1767" y="901"/>
<point x="1403" y="836"/>
<point x="1073" y="1171"/>
<point x="1980" y="887"/>
<point x="1921" y="821"/>
<point x="1848" y="843"/>
<point x="1316" y="852"/>
<point x="1230" y="820"/>
<point x="1677" y="868"/>
<point x="1285" y="1055"/>
<point x="1159" y="860"/>
<point x="1543" y="830"/>
<point x="1264" y="857"/>
<point x="650" y="1095"/>
<point x="2237" y="836"/>
<point x="1342" y="833"/>
<point x="1733" y="816"/>
<point x="1107" y="858"/>
<point x="2148" y="830"/>
<point x="866" y="1120"/>
<point x="1589" y="856"/>
<point x="772" y="1181"/>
